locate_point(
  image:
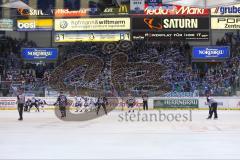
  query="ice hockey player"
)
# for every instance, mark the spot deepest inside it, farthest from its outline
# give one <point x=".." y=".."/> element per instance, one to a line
<point x="41" y="103"/>
<point x="78" y="103"/>
<point x="27" y="105"/>
<point x="62" y="103"/>
<point x="213" y="108"/>
<point x="130" y="102"/>
<point x="34" y="102"/>
<point x="102" y="101"/>
<point x="20" y="103"/>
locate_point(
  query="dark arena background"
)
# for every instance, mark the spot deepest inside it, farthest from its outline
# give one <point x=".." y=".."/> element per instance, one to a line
<point x="119" y="79"/>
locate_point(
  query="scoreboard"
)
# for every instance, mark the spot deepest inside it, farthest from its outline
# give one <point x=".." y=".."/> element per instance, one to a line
<point x="92" y="36"/>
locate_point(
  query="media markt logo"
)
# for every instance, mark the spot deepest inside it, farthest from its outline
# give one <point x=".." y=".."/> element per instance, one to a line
<point x="63" y="24"/>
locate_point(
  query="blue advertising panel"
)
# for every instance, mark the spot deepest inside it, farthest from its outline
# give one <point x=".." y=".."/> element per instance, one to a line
<point x="211" y="52"/>
<point x="154" y="2"/>
<point x="33" y="54"/>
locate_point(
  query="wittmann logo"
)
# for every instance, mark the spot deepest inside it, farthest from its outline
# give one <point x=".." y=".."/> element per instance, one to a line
<point x="174" y="10"/>
<point x="190" y="23"/>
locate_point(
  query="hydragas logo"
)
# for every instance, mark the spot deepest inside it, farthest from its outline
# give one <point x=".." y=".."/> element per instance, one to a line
<point x="228" y="10"/>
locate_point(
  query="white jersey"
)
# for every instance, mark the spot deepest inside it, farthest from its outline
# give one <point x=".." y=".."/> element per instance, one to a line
<point x="21" y="98"/>
<point x="130" y="100"/>
<point x="78" y="99"/>
<point x="33" y="100"/>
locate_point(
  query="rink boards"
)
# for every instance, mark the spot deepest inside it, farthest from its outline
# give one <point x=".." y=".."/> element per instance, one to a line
<point x="9" y="103"/>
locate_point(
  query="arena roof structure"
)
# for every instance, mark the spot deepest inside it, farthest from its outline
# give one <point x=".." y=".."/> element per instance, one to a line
<point x="15" y="4"/>
<point x="202" y="3"/>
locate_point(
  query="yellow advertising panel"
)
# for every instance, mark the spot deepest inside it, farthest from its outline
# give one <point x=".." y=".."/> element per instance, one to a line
<point x="225" y="23"/>
<point x="35" y="25"/>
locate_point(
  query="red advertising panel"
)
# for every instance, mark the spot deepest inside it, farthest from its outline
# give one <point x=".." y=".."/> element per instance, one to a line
<point x="175" y="10"/>
<point x="68" y="13"/>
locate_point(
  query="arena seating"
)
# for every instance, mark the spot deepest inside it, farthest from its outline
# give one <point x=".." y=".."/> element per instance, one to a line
<point x="124" y="67"/>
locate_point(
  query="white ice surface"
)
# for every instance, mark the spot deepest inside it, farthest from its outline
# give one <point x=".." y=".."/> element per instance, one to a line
<point x="43" y="136"/>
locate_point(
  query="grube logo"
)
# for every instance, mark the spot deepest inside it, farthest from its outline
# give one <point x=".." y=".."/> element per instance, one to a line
<point x="228" y="10"/>
<point x="149" y="22"/>
<point x="63" y="24"/>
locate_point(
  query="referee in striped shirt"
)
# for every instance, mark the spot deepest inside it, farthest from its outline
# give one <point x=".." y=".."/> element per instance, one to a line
<point x="20" y="103"/>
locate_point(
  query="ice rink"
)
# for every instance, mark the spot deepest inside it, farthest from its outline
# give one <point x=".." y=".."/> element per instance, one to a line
<point x="43" y="136"/>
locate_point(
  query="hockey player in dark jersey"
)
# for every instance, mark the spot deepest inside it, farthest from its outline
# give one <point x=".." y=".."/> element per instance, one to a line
<point x="62" y="103"/>
<point x="213" y="108"/>
<point x="130" y="102"/>
<point x="102" y="101"/>
<point x="27" y="105"/>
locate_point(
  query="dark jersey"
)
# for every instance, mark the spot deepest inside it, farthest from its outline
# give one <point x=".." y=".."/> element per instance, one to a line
<point x="62" y="100"/>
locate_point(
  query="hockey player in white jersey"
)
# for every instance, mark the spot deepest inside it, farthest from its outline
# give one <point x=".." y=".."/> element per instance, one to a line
<point x="78" y="104"/>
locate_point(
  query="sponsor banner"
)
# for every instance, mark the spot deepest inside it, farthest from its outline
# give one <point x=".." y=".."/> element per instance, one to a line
<point x="137" y="6"/>
<point x="34" y="12"/>
<point x="179" y="35"/>
<point x="153" y="102"/>
<point x="154" y="2"/>
<point x="121" y="10"/>
<point x="161" y="24"/>
<point x="169" y="10"/>
<point x="68" y="13"/>
<point x="8" y="102"/>
<point x="225" y="23"/>
<point x="121" y="103"/>
<point x="176" y="103"/>
<point x="92" y="36"/>
<point x="6" y="25"/>
<point x="181" y="94"/>
<point x="211" y="52"/>
<point x="35" y="25"/>
<point x="40" y="53"/>
<point x="233" y="10"/>
<point x="86" y="24"/>
<point x="76" y="13"/>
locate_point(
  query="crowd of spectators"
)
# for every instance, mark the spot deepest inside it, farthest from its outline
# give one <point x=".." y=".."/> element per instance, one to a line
<point x="139" y="66"/>
<point x="13" y="70"/>
<point x="156" y="68"/>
